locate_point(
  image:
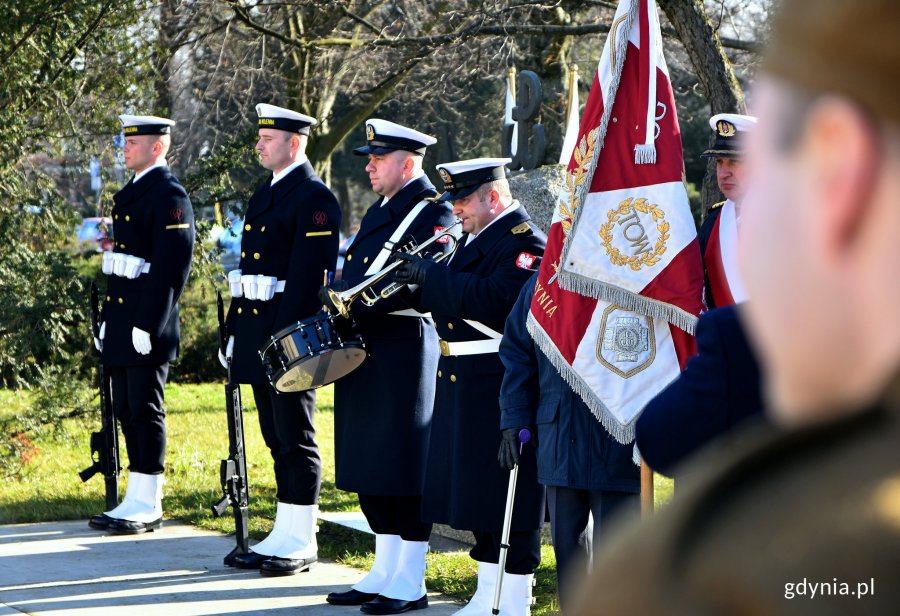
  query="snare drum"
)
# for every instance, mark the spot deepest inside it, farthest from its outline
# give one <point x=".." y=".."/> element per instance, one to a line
<point x="312" y="353"/>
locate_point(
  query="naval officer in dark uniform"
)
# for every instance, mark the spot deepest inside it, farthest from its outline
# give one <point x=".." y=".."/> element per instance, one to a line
<point x="154" y="231"/>
<point x="382" y="411"/>
<point x="470" y="299"/>
<point x="718" y="234"/>
<point x="290" y="239"/>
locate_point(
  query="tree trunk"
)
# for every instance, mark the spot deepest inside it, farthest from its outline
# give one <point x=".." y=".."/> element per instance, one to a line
<point x="714" y="72"/>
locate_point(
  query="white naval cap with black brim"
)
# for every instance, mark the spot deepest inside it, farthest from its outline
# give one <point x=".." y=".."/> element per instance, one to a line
<point x="383" y="137"/>
<point x="729" y="140"/>
<point x="145" y="125"/>
<point x="463" y="177"/>
<point x="280" y="118"/>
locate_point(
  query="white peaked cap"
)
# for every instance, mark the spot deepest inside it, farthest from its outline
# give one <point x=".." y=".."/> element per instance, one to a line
<point x="742" y="123"/>
<point x="265" y="110"/>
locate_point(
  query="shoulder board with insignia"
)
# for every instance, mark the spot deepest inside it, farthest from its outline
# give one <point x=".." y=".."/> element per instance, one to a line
<point x="521" y="228"/>
<point x="717" y="205"/>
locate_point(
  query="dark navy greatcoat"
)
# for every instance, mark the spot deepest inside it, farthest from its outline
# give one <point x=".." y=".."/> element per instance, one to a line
<point x="382" y="411"/>
<point x="465" y="486"/>
<point x="718" y="390"/>
<point x="290" y="232"/>
<point x="153" y="220"/>
<point x="574" y="450"/>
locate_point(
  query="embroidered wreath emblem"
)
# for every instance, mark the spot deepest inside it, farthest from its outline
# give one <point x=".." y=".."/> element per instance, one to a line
<point x="643" y="256"/>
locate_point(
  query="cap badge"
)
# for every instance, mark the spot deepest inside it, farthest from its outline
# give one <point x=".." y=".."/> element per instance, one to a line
<point x="370" y="132"/>
<point x="725" y="128"/>
<point x="445" y="176"/>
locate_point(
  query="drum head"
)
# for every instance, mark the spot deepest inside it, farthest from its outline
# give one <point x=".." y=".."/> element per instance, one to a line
<point x="321" y="369"/>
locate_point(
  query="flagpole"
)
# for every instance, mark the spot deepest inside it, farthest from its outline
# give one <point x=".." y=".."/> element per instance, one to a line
<point x="573" y="71"/>
<point x="646" y="490"/>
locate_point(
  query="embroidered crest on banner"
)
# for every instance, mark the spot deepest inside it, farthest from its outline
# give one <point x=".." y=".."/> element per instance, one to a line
<point x="635" y="234"/>
<point x="627" y="342"/>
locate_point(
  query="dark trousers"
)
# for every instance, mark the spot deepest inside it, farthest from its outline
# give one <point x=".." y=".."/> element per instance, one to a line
<point x="395" y="515"/>
<point x="575" y="537"/>
<point x="522" y="557"/>
<point x="137" y="396"/>
<point x="286" y="423"/>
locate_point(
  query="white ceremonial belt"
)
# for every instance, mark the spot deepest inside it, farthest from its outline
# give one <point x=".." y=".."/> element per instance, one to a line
<point x="409" y="312"/>
<point x="469" y="347"/>
<point x="124" y="265"/>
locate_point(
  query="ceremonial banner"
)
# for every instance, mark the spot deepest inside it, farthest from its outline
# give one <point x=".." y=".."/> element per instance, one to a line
<point x="621" y="282"/>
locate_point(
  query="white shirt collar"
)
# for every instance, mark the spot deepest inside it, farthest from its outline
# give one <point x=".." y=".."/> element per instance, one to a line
<point x="141" y="174"/>
<point x="512" y="206"/>
<point x="410" y="181"/>
<point x="286" y="170"/>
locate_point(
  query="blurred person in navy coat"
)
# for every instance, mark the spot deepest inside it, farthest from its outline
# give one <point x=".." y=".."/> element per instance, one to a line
<point x="717" y="392"/>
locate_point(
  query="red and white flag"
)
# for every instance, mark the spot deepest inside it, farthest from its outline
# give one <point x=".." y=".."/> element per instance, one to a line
<point x="620" y="286"/>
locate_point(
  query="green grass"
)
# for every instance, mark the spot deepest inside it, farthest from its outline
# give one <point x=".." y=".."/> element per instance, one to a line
<point x="49" y="488"/>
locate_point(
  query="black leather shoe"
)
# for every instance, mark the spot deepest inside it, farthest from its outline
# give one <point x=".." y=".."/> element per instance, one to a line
<point x="384" y="605"/>
<point x="127" y="527"/>
<point x="286" y="566"/>
<point x="101" y="521"/>
<point x="250" y="560"/>
<point x="350" y="597"/>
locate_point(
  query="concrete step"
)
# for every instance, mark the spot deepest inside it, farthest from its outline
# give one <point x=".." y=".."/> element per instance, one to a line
<point x="66" y="568"/>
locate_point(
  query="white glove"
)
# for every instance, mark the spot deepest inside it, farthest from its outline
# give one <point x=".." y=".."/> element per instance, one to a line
<point x="141" y="341"/>
<point x="229" y="353"/>
<point x="98" y="342"/>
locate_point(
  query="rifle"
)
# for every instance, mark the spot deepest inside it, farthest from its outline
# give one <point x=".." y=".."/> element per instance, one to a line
<point x="233" y="469"/>
<point x="105" y="442"/>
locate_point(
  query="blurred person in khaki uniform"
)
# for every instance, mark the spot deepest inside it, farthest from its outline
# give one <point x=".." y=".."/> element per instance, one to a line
<point x="805" y="520"/>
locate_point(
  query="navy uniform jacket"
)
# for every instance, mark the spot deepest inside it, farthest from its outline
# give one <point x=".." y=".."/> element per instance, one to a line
<point x="465" y="486"/>
<point x="290" y="232"/>
<point x="153" y="220"/>
<point x="703" y="236"/>
<point x="719" y="389"/>
<point x="382" y="410"/>
<point x="573" y="448"/>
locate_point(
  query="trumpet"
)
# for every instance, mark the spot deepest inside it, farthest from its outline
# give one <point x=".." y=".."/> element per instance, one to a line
<point x="364" y="292"/>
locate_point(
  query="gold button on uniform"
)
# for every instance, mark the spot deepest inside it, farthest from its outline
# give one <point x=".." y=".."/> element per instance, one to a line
<point x="240" y="310"/>
<point x="349" y="257"/>
<point x="127" y="218"/>
<point x="453" y="377"/>
<point x="116" y="217"/>
<point x="450" y="325"/>
<point x="263" y="230"/>
<point x="365" y="259"/>
<point x="243" y="254"/>
<point x="256" y="256"/>
<point x="255" y="311"/>
<point x="247" y="227"/>
<point x="439" y="374"/>
<point x="122" y="246"/>
<point x="121" y="301"/>
<point x="108" y="298"/>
